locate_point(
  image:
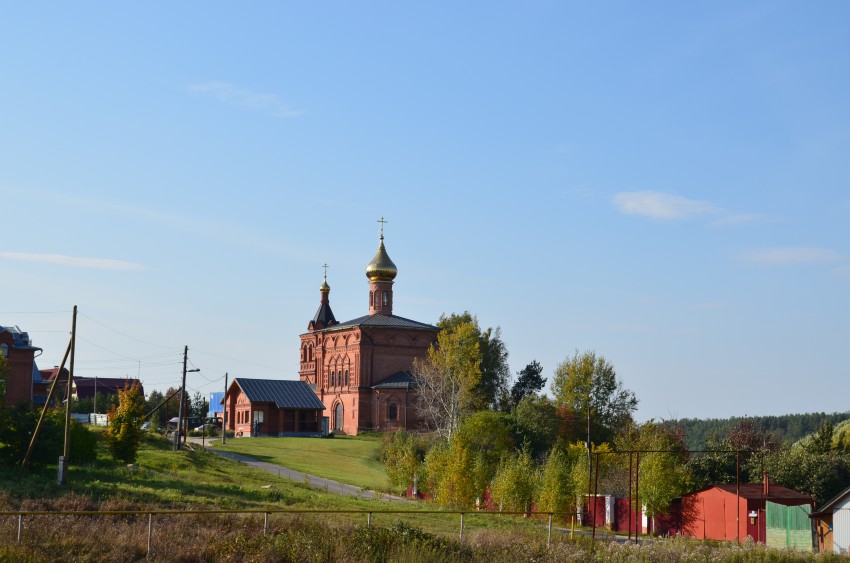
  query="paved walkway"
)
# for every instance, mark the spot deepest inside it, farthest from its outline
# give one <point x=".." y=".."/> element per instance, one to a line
<point x="328" y="485"/>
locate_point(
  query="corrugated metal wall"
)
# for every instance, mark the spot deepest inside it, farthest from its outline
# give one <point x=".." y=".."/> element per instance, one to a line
<point x="841" y="527"/>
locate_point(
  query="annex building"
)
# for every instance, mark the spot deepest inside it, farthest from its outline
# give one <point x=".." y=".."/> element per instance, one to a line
<point x="360" y="369"/>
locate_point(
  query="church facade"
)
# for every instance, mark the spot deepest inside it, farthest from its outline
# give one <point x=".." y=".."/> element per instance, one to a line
<point x="360" y="369"/>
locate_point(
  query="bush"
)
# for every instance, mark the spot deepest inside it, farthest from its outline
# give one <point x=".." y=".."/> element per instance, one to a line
<point x="16" y="429"/>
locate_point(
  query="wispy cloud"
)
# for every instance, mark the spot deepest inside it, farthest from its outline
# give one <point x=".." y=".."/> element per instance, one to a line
<point x="77" y="262"/>
<point x="792" y="256"/>
<point x="265" y="102"/>
<point x="743" y="219"/>
<point x="657" y="205"/>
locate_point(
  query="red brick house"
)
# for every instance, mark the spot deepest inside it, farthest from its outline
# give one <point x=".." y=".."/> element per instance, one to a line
<point x="272" y="407"/>
<point x="20" y="355"/>
<point x="360" y="369"/>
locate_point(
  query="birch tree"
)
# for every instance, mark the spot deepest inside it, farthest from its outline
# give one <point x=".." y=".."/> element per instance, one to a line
<point x="587" y="385"/>
<point x="447" y="378"/>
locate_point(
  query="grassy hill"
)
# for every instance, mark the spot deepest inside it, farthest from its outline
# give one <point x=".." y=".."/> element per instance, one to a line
<point x="348" y="459"/>
<point x="163" y="479"/>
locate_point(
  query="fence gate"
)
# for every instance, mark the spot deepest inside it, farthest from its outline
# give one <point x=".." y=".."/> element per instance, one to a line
<point x="788" y="526"/>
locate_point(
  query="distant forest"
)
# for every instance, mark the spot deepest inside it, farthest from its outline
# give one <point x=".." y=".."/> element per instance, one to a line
<point x="789" y="428"/>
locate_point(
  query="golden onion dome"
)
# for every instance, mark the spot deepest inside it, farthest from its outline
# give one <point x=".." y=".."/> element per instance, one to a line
<point x="381" y="268"/>
<point x="325" y="286"/>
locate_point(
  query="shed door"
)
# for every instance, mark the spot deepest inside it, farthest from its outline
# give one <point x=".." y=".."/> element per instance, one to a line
<point x="338" y="416"/>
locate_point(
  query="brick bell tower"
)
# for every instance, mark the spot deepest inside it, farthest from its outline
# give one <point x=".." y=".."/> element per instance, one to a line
<point x="381" y="272"/>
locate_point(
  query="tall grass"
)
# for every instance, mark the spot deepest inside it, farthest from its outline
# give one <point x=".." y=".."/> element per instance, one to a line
<point x="309" y="538"/>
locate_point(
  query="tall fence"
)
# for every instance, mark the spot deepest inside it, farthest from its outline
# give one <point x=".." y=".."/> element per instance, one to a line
<point x="21" y="518"/>
<point x="788" y="526"/>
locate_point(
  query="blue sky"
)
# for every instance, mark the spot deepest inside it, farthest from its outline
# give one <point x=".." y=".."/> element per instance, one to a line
<point x="664" y="183"/>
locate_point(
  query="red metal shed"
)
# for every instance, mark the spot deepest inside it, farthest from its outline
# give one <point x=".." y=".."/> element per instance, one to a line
<point x="724" y="512"/>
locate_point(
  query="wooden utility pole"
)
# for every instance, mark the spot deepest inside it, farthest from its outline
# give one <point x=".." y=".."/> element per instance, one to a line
<point x="44" y="410"/>
<point x="224" y="413"/>
<point x="66" y="452"/>
<point x="182" y="398"/>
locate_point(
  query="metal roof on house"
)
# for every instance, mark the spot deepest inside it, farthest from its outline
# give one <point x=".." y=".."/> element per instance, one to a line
<point x="756" y="491"/>
<point x="285" y="394"/>
<point x="381" y="321"/>
<point x="398" y="380"/>
<point x="85" y="387"/>
<point x="827" y="507"/>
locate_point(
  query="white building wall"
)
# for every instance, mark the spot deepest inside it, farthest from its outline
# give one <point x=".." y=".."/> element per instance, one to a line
<point x="841" y="527"/>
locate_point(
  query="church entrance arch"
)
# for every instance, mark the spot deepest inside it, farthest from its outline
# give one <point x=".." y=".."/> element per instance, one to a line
<point x="338" y="416"/>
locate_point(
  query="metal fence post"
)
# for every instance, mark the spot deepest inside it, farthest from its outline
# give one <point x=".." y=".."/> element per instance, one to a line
<point x="20" y="528"/>
<point x="549" y="537"/>
<point x="461" y="525"/>
<point x="150" y="534"/>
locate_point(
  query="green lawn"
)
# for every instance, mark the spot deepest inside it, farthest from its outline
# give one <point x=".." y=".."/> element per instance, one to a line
<point x="347" y="459"/>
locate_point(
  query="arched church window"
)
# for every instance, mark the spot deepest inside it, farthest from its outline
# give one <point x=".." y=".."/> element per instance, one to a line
<point x="4" y="349"/>
<point x="333" y="378"/>
<point x="392" y="411"/>
<point x="385" y="299"/>
<point x="346" y="378"/>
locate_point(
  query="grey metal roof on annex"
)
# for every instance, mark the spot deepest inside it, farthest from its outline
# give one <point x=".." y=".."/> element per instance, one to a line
<point x="382" y="321"/>
<point x="284" y="394"/>
<point x="398" y="380"/>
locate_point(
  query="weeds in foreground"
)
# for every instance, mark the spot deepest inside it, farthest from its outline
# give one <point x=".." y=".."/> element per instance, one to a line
<point x="310" y="538"/>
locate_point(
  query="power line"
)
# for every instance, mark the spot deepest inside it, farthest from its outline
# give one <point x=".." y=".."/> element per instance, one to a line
<point x="33" y="312"/>
<point x="126" y="335"/>
<point x="239" y="361"/>
<point x="136" y="359"/>
<point x="108" y="350"/>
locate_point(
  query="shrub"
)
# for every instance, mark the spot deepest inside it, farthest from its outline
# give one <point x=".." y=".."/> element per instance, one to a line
<point x="125" y="424"/>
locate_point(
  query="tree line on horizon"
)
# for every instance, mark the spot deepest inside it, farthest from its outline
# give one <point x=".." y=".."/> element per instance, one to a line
<point x="787" y="428"/>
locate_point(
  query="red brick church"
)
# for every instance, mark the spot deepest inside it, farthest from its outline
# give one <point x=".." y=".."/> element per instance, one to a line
<point x="360" y="369"/>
